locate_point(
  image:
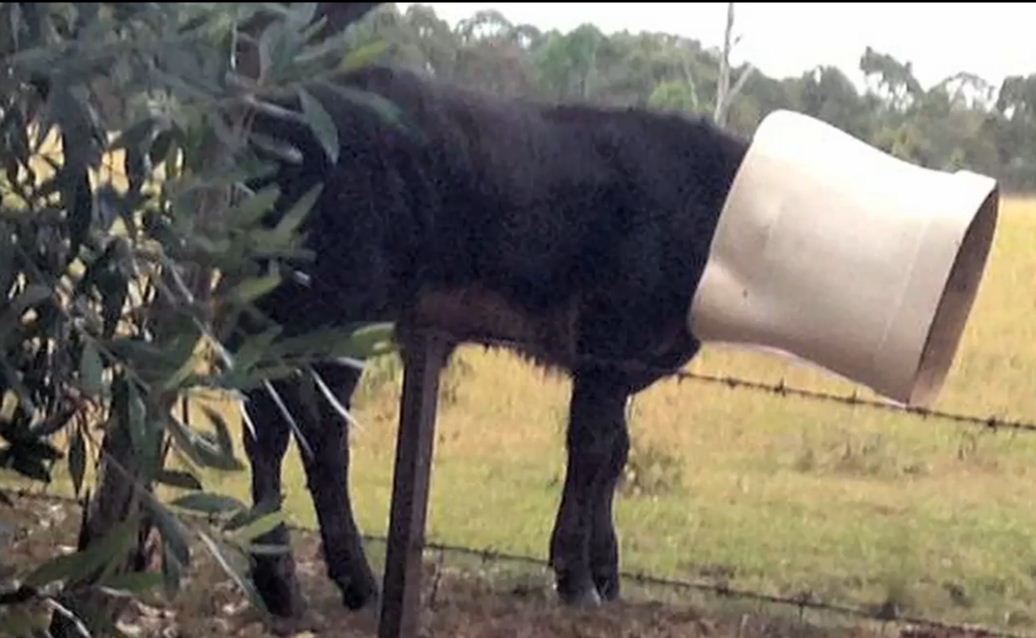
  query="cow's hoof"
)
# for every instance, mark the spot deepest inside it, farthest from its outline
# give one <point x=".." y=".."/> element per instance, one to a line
<point x="279" y="591"/>
<point x="607" y="586"/>
<point x="361" y="598"/>
<point x="578" y="593"/>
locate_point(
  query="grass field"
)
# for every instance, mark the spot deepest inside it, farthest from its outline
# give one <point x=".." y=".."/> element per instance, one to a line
<point x="775" y="494"/>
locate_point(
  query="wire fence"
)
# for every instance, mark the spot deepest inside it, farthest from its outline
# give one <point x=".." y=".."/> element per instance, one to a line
<point x="991" y="422"/>
<point x="884" y="614"/>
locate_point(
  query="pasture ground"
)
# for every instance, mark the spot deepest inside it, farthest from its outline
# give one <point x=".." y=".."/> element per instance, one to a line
<point x="762" y="492"/>
<point x="463" y="598"/>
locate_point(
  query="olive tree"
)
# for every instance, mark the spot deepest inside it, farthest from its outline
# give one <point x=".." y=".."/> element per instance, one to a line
<point x="131" y="251"/>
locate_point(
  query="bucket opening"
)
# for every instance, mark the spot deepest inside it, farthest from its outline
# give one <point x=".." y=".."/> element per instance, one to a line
<point x="955" y="304"/>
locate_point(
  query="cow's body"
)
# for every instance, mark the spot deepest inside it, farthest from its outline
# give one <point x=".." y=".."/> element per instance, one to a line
<point x="580" y="231"/>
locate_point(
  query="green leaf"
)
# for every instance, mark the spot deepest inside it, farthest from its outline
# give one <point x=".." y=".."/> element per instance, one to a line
<point x="177" y="478"/>
<point x="134" y="583"/>
<point x="73" y="568"/>
<point x="257" y="528"/>
<point x="320" y="122"/>
<point x="136" y="415"/>
<point x="209" y="503"/>
<point x="223" y="438"/>
<point x="91" y="369"/>
<point x="360" y="342"/>
<point x="174" y="536"/>
<point x="243" y="582"/>
<point x="382" y="107"/>
<point x="264" y="549"/>
<point x="370" y="341"/>
<point x="77" y="460"/>
<point x="181" y="373"/>
<point x="200" y="450"/>
<point x="254" y="288"/>
<point x="298" y="213"/>
<point x="364" y="56"/>
<point x="172" y="569"/>
<point x="253" y="208"/>
<point x="254" y="347"/>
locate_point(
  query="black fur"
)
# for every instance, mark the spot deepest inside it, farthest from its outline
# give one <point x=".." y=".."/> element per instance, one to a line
<point x="580" y="230"/>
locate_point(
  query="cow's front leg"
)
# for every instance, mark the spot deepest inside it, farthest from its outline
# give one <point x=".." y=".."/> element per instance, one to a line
<point x="583" y="549"/>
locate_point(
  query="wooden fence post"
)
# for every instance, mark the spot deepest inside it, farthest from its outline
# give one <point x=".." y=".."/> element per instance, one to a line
<point x="401" y="590"/>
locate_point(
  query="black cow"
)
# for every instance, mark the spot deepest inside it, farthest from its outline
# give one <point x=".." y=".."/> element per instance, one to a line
<point x="579" y="230"/>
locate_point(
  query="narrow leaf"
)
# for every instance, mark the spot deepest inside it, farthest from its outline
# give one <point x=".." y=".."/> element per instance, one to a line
<point x="136" y="414"/>
<point x="172" y="570"/>
<point x="252" y="209"/>
<point x="231" y="571"/>
<point x="257" y="528"/>
<point x="263" y="549"/>
<point x="200" y="450"/>
<point x="369" y="341"/>
<point x="298" y="213"/>
<point x="90" y="369"/>
<point x="223" y="439"/>
<point x="307" y="450"/>
<point x="75" y="567"/>
<point x="174" y="536"/>
<point x="382" y="107"/>
<point x="77" y="460"/>
<point x="320" y="122"/>
<point x="364" y="56"/>
<point x="178" y="478"/>
<point x="133" y="582"/>
<point x="333" y="400"/>
<point x="254" y="288"/>
<point x="209" y="503"/>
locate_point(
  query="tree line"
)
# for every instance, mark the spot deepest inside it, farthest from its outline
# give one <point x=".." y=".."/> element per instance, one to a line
<point x="962" y="121"/>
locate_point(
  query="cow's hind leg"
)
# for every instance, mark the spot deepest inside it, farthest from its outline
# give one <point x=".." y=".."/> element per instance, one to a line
<point x="583" y="549"/>
<point x="273" y="573"/>
<point x="327" y="475"/>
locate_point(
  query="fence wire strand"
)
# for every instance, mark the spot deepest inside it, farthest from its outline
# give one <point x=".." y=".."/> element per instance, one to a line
<point x="990" y="422"/>
<point x="734" y="383"/>
<point x="802" y="603"/>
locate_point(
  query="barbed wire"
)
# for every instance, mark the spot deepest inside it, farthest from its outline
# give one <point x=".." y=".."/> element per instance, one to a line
<point x="883" y="613"/>
<point x="887" y="613"/>
<point x="990" y="422"/>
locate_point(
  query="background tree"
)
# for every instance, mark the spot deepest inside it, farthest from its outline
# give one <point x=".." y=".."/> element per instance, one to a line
<point x="961" y="121"/>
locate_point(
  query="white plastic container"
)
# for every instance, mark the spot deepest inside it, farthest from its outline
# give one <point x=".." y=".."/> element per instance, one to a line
<point x="834" y="252"/>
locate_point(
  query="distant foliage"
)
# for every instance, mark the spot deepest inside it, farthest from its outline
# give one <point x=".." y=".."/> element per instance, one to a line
<point x="961" y="122"/>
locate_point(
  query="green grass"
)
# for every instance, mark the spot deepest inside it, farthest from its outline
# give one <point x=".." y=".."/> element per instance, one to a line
<point x="775" y="494"/>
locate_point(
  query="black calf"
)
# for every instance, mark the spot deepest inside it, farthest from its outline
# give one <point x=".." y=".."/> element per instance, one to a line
<point x="580" y="231"/>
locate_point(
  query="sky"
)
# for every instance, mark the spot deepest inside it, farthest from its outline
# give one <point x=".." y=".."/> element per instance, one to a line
<point x="992" y="40"/>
